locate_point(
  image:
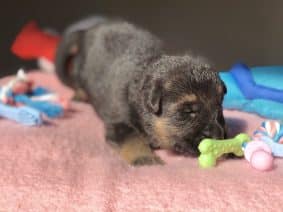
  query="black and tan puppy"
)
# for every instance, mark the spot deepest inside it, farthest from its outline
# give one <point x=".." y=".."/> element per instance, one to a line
<point x="147" y="99"/>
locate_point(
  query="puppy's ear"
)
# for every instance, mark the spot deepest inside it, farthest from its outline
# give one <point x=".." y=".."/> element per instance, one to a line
<point x="67" y="49"/>
<point x="224" y="87"/>
<point x="153" y="95"/>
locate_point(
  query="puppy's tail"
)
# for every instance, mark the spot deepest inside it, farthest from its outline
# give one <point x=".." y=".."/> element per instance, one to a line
<point x="70" y="45"/>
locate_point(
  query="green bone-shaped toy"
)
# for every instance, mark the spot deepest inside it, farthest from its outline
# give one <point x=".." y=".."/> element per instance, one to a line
<point x="212" y="149"/>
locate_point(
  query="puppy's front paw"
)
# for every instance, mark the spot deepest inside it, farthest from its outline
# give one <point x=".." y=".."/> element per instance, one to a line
<point x="147" y="160"/>
<point x="135" y="150"/>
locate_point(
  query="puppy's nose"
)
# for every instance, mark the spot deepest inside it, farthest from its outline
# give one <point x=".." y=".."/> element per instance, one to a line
<point x="214" y="130"/>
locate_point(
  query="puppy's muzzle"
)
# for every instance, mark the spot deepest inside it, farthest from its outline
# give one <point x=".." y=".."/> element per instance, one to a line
<point x="214" y="130"/>
<point x="189" y="146"/>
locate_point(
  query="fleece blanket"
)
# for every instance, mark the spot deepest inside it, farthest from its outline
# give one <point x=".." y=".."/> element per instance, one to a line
<point x="66" y="165"/>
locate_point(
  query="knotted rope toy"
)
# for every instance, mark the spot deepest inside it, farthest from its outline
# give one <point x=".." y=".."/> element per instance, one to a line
<point x="37" y="101"/>
<point x="267" y="143"/>
<point x="273" y="130"/>
<point x="24" y="115"/>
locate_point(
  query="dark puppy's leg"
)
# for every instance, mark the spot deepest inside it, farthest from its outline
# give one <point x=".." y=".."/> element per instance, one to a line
<point x="131" y="146"/>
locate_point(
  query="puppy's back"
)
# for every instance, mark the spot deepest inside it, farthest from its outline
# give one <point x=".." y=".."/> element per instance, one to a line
<point x="110" y="54"/>
<point x="118" y="52"/>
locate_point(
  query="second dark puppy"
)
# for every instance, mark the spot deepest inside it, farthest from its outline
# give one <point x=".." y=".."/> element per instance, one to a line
<point x="146" y="98"/>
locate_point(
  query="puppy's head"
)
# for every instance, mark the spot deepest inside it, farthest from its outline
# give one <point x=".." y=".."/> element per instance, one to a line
<point x="183" y="102"/>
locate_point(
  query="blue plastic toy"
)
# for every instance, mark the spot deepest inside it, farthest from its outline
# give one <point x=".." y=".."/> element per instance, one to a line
<point x="244" y="78"/>
<point x="264" y="77"/>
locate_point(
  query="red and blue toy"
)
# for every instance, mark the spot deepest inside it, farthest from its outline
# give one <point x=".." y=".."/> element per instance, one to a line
<point x="37" y="101"/>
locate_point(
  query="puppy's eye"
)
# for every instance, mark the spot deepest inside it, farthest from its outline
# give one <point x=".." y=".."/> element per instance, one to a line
<point x="191" y="113"/>
<point x="188" y="112"/>
<point x="185" y="115"/>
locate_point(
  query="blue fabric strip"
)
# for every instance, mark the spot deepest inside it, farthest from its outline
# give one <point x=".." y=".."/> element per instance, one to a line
<point x="50" y="109"/>
<point x="24" y="115"/>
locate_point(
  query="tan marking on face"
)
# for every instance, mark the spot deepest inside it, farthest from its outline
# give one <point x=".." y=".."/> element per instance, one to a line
<point x="163" y="132"/>
<point x="188" y="98"/>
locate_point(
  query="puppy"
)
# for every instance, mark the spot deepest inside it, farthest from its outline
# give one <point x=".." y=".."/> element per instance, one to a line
<point x="146" y="98"/>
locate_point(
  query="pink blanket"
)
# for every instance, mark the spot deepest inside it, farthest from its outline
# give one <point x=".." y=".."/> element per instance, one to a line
<point x="67" y="166"/>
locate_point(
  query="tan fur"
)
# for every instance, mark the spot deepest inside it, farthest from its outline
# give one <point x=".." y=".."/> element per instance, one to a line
<point x="187" y="98"/>
<point x="80" y="95"/>
<point x="136" y="151"/>
<point x="162" y="127"/>
<point x="168" y="85"/>
<point x="183" y="99"/>
<point x="162" y="131"/>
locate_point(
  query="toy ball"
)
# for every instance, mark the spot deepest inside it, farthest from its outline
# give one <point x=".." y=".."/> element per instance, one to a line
<point x="262" y="160"/>
<point x="259" y="155"/>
